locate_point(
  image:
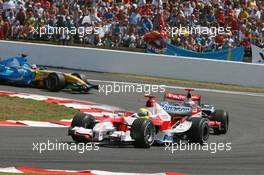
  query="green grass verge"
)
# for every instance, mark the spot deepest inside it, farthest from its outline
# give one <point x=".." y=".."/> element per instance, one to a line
<point x="15" y="108"/>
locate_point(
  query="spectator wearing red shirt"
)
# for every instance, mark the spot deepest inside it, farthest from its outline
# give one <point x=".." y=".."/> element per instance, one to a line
<point x="1" y="28"/>
<point x="232" y="22"/>
<point x="4" y="28"/>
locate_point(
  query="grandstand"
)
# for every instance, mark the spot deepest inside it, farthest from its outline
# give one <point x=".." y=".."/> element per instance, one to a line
<point x="123" y="23"/>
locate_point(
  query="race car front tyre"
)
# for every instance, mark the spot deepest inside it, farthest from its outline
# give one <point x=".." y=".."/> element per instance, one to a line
<point x="82" y="120"/>
<point x="143" y="132"/>
<point x="55" y="82"/>
<point x="83" y="78"/>
<point x="199" y="131"/>
<point x="223" y="117"/>
<point x="80" y="76"/>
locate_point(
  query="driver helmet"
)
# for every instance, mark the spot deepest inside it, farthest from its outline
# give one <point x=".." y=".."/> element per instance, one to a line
<point x="144" y="113"/>
<point x="190" y="102"/>
<point x="33" y="66"/>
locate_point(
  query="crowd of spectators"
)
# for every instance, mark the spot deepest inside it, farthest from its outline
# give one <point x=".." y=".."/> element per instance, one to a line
<point x="123" y="23"/>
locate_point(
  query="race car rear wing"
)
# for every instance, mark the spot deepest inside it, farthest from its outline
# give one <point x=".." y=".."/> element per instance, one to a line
<point x="181" y="97"/>
<point x="173" y="96"/>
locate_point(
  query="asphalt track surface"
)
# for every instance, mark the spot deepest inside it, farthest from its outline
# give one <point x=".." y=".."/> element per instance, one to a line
<point x="245" y="135"/>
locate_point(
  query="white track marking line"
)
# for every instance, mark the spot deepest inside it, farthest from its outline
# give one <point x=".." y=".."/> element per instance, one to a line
<point x="96" y="172"/>
<point x="66" y="120"/>
<point x="10" y="170"/>
<point x="39" y="124"/>
<point x="29" y="96"/>
<point x="102" y="114"/>
<point x="76" y="101"/>
<point x="182" y="88"/>
<point x="121" y="173"/>
<point x="83" y="106"/>
<point x="75" y="105"/>
<point x="108" y="107"/>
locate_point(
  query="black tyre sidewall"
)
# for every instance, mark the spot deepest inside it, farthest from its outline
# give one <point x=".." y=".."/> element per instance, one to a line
<point x="88" y="121"/>
<point x="149" y="130"/>
<point x="55" y="82"/>
<point x="78" y="120"/>
<point x="82" y="120"/>
<point x="199" y="131"/>
<point x="223" y="117"/>
<point x="139" y="130"/>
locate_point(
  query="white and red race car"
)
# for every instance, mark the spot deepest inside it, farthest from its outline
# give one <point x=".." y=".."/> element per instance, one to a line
<point x="218" y="119"/>
<point x="160" y="123"/>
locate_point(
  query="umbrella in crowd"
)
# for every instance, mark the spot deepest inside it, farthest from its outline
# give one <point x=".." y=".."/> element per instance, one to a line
<point x="90" y="19"/>
<point x="9" y="5"/>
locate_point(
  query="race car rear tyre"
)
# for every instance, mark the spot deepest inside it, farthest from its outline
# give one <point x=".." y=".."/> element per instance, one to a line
<point x="223" y="117"/>
<point x="143" y="132"/>
<point x="82" y="120"/>
<point x="55" y="82"/>
<point x="199" y="131"/>
<point x="80" y="76"/>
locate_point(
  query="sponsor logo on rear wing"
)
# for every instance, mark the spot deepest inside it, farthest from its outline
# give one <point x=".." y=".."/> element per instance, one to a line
<point x="181" y="97"/>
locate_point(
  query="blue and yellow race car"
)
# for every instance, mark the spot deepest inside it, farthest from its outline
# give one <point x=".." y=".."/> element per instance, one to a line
<point x="16" y="70"/>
